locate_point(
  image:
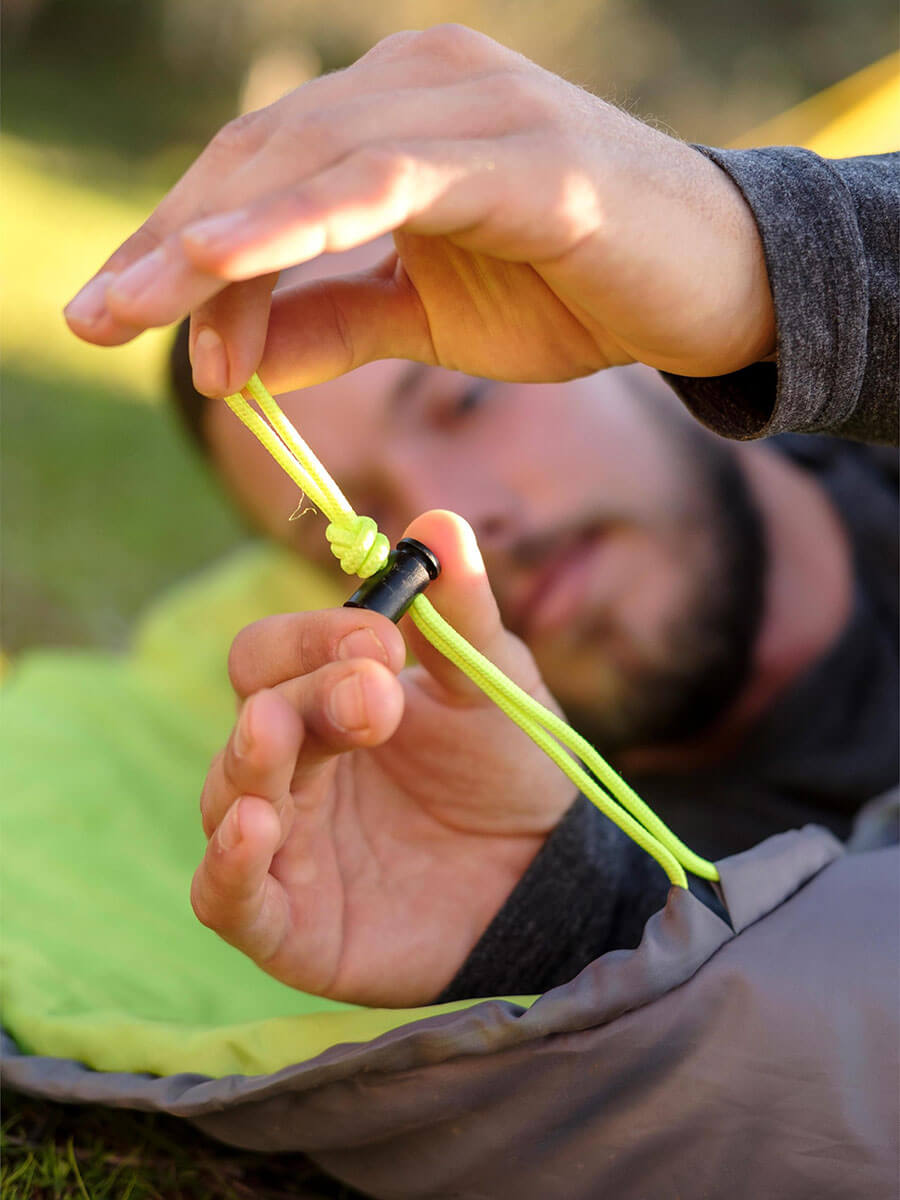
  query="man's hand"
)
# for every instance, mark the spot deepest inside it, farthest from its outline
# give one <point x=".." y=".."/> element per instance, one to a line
<point x="540" y="233"/>
<point x="366" y="822"/>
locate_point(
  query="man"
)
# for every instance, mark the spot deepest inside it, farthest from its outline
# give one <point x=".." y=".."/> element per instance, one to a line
<point x="660" y="575"/>
<point x="540" y="235"/>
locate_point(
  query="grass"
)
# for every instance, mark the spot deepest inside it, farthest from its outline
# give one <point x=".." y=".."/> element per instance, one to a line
<point x="104" y="505"/>
<point x="62" y="215"/>
<point x="66" y="1152"/>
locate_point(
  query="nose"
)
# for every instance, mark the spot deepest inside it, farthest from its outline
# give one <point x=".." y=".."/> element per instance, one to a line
<point x="420" y="483"/>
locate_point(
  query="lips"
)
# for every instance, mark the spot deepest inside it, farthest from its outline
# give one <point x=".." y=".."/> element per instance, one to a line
<point x="555" y="596"/>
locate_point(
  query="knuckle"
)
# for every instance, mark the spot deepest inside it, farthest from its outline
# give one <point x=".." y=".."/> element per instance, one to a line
<point x="143" y="241"/>
<point x="451" y="42"/>
<point x="394" y="44"/>
<point x="203" y="911"/>
<point x="317" y="138"/>
<point x="150" y="235"/>
<point x="206" y="819"/>
<point x="234" y="772"/>
<point x="236" y="666"/>
<point x="304" y="641"/>
<point x="518" y="94"/>
<point x="240" y="657"/>
<point x="206" y="803"/>
<point x="385" y="166"/>
<point x="242" y="135"/>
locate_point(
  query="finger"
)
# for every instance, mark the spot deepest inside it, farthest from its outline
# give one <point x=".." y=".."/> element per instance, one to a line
<point x="233" y="892"/>
<point x="341" y="707"/>
<point x="214" y="184"/>
<point x="344" y="706"/>
<point x="321" y="330"/>
<point x="374" y="190"/>
<point x="228" y="334"/>
<point x="371" y="192"/>
<point x="195" y="193"/>
<point x="467" y="194"/>
<point x="259" y="758"/>
<point x="463" y="596"/>
<point x="163" y="286"/>
<point x="160" y="288"/>
<point x="284" y="647"/>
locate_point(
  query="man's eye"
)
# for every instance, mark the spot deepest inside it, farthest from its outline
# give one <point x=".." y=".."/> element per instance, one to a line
<point x="471" y="398"/>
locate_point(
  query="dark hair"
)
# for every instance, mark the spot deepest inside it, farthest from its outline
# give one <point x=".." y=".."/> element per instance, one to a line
<point x="190" y="405"/>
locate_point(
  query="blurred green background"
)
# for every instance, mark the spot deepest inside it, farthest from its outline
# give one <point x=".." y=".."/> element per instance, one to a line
<point x="104" y="104"/>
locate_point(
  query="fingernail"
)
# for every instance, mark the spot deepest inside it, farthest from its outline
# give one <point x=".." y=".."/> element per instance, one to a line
<point x="362" y="643"/>
<point x="215" y="228"/>
<point x="210" y="362"/>
<point x="346" y="704"/>
<point x="230" y="829"/>
<point x="139" y="276"/>
<point x="243" y="735"/>
<point x="89" y="305"/>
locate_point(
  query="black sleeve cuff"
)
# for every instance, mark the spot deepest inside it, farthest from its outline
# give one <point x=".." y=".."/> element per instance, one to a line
<point x="589" y="890"/>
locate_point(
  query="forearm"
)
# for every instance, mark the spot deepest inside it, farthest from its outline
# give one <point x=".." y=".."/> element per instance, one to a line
<point x="829" y="233"/>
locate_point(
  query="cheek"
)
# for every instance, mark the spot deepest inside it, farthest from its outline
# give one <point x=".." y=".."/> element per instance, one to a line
<point x="640" y="581"/>
<point x="642" y="593"/>
<point x="657" y="597"/>
<point x="584" y="677"/>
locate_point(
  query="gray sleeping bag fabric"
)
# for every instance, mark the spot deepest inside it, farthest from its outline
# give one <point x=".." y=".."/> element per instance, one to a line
<point x="759" y="1061"/>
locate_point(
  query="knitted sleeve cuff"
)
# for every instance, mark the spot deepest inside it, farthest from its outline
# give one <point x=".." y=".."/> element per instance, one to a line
<point x="818" y="273"/>
<point x="589" y="890"/>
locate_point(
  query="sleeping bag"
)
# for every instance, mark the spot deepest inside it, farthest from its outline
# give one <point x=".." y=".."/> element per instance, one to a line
<point x="753" y="1057"/>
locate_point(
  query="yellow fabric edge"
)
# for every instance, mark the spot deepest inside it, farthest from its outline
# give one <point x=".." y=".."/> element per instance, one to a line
<point x="106" y="1042"/>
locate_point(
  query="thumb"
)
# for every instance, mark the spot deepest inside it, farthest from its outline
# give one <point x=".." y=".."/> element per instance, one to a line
<point x="463" y="597"/>
<point x="325" y="328"/>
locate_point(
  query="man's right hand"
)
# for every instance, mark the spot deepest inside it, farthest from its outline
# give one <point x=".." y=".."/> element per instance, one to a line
<point x="540" y="233"/>
<point x="366" y="822"/>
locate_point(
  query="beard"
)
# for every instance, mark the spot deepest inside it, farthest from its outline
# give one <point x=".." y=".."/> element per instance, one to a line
<point x="707" y="649"/>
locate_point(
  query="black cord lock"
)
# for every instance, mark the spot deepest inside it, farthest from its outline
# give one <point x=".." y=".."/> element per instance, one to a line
<point x="408" y="571"/>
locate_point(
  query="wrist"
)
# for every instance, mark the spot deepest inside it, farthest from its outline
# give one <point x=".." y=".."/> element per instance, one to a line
<point x="747" y="292"/>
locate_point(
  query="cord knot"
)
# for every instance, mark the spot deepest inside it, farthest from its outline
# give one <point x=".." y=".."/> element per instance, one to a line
<point x="358" y="546"/>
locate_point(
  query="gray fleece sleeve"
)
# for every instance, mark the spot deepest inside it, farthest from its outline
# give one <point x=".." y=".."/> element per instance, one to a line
<point x="589" y="890"/>
<point x="829" y="230"/>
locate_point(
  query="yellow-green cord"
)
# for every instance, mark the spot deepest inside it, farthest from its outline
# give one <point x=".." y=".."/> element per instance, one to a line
<point x="362" y="550"/>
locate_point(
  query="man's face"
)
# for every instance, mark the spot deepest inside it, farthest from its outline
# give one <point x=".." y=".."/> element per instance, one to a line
<point x="597" y="505"/>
